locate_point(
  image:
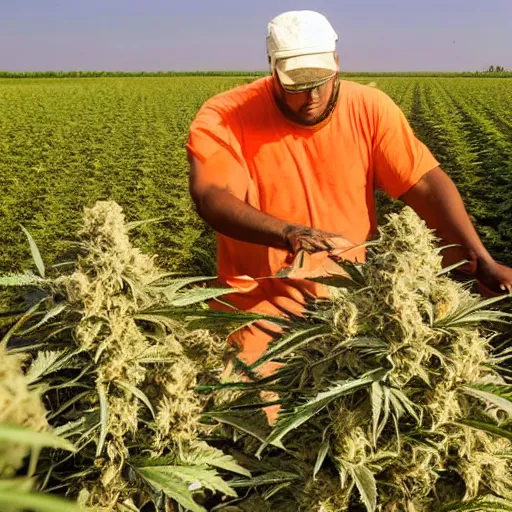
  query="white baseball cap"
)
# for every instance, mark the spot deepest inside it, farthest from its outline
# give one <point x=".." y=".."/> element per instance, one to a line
<point x="301" y="46"/>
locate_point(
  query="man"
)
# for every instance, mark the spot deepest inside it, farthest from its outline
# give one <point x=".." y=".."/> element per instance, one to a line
<point x="290" y="163"/>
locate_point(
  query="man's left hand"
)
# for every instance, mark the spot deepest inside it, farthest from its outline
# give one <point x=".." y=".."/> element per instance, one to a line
<point x="495" y="277"/>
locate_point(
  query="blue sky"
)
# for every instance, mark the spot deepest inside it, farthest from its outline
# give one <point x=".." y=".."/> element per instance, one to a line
<point x="126" y="35"/>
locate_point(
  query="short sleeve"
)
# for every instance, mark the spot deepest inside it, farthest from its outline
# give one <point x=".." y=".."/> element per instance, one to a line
<point x="212" y="140"/>
<point x="212" y="132"/>
<point x="400" y="158"/>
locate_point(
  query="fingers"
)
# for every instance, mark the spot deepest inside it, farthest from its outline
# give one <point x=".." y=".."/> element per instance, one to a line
<point x="495" y="276"/>
<point x="506" y="287"/>
<point x="495" y="285"/>
<point x="312" y="240"/>
<point x="320" y="243"/>
<point x="313" y="244"/>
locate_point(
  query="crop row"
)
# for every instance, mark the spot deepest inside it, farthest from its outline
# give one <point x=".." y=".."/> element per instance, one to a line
<point x="66" y="143"/>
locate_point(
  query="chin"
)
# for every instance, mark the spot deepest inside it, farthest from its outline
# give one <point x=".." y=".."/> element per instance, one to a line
<point x="310" y="118"/>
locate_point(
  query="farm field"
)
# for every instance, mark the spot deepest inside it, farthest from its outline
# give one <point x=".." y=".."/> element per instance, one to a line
<point x="66" y="143"/>
<point x="396" y="394"/>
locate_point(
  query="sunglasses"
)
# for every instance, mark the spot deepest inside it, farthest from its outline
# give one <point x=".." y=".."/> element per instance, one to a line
<point x="310" y="89"/>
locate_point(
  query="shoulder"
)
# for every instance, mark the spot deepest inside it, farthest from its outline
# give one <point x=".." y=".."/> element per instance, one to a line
<point x="227" y="104"/>
<point x="374" y="107"/>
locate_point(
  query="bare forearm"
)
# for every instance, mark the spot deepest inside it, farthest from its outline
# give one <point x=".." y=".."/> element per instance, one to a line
<point x="436" y="200"/>
<point x="232" y="217"/>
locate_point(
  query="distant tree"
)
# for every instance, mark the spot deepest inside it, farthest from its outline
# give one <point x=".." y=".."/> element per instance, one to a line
<point x="496" y="69"/>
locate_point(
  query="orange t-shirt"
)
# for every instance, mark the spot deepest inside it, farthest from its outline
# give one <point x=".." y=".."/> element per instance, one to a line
<point x="322" y="176"/>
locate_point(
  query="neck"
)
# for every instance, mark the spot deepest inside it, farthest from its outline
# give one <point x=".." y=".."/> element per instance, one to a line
<point x="292" y="116"/>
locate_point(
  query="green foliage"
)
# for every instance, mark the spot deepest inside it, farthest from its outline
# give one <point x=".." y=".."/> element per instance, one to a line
<point x="104" y="139"/>
<point x="118" y="384"/>
<point x="18" y="435"/>
<point x="16" y="497"/>
<point x="24" y="432"/>
<point x="67" y="143"/>
<point x="467" y="126"/>
<point x="395" y="398"/>
<point x="16" y="494"/>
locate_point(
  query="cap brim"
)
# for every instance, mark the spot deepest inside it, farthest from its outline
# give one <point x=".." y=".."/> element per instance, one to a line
<point x="306" y="71"/>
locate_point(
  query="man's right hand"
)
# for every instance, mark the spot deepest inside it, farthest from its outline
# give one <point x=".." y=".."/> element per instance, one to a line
<point x="313" y="240"/>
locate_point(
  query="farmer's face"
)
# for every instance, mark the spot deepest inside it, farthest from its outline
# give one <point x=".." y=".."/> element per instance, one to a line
<point x="309" y="105"/>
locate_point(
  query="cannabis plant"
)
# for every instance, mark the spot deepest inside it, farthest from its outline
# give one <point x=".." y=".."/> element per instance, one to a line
<point x="392" y="395"/>
<point x="24" y="430"/>
<point x="119" y="371"/>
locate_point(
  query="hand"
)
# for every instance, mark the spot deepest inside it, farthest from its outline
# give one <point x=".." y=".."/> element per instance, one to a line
<point x="494" y="277"/>
<point x="313" y="240"/>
